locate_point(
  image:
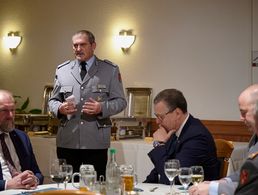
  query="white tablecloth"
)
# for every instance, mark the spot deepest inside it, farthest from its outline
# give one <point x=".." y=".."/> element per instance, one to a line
<point x="132" y="152"/>
<point x="161" y="189"/>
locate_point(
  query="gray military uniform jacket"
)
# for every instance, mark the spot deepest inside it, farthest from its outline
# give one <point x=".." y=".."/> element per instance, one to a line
<point x="230" y="187"/>
<point x="248" y="183"/>
<point x="102" y="83"/>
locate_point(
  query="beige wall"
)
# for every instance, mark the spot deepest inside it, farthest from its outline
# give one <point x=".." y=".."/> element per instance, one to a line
<point x="202" y="47"/>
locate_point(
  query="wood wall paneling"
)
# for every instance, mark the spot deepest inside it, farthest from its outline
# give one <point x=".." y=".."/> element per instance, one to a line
<point x="229" y="130"/>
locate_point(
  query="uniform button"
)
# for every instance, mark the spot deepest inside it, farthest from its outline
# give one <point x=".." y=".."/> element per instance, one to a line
<point x="81" y="99"/>
<point x="82" y="87"/>
<point x="81" y="123"/>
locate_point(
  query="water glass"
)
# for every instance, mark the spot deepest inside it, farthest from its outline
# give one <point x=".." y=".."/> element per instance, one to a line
<point x="171" y="168"/>
<point x="87" y="177"/>
<point x="68" y="170"/>
<point x="185" y="177"/>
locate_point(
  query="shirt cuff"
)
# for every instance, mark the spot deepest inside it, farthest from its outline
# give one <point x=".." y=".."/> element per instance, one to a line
<point x="228" y="179"/>
<point x="213" y="188"/>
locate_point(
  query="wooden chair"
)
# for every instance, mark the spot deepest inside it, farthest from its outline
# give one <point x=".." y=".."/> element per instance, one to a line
<point x="224" y="151"/>
<point x="65" y="192"/>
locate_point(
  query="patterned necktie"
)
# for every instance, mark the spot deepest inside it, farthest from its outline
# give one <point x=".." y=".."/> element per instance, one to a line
<point x="8" y="157"/>
<point x="83" y="69"/>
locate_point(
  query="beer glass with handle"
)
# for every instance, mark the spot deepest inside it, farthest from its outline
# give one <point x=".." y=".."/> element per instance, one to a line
<point x="171" y="168"/>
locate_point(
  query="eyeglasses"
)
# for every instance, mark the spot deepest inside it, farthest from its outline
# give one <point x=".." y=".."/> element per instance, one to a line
<point x="161" y="117"/>
<point x="6" y="110"/>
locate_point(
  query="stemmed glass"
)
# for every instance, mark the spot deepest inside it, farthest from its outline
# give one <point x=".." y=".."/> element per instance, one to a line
<point x="56" y="173"/>
<point x="68" y="170"/>
<point x="197" y="174"/>
<point x="185" y="177"/>
<point x="171" y="168"/>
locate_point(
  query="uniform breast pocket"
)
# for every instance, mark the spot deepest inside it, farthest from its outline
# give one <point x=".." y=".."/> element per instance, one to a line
<point x="66" y="91"/>
<point x="100" y="93"/>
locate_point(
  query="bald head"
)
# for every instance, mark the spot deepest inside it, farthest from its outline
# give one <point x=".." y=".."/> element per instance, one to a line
<point x="248" y="107"/>
<point x="7" y="111"/>
<point x="5" y="95"/>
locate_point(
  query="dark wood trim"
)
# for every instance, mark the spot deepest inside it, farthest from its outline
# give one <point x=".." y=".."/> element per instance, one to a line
<point x="229" y="130"/>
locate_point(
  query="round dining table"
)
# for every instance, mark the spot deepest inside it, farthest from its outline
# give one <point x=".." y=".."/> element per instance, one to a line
<point x="141" y="189"/>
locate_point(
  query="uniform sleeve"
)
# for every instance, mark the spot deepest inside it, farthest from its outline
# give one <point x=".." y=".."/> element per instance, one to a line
<point x="116" y="102"/>
<point x="56" y="99"/>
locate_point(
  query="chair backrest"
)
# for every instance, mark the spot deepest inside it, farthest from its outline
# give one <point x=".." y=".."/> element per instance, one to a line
<point x="64" y="192"/>
<point x="224" y="151"/>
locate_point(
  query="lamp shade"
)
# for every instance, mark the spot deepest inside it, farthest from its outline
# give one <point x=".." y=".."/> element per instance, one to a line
<point x="126" y="41"/>
<point x="12" y="41"/>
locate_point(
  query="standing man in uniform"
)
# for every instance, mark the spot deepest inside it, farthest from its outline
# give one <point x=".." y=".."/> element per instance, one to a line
<point x="87" y="91"/>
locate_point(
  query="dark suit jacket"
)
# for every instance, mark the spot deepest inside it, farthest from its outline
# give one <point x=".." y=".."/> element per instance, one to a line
<point x="195" y="146"/>
<point x="25" y="154"/>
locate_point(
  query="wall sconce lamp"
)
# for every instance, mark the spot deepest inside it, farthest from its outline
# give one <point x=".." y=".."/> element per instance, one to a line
<point x="125" y="40"/>
<point x="12" y="40"/>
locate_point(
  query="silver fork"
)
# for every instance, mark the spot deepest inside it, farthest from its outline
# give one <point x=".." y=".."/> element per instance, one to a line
<point x="153" y="189"/>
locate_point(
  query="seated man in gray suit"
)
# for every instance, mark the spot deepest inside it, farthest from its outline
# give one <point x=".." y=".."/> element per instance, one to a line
<point x="248" y="181"/>
<point x="247" y="105"/>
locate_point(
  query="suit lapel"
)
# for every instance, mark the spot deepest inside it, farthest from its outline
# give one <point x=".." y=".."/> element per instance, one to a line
<point x="19" y="147"/>
<point x="174" y="142"/>
<point x="75" y="71"/>
<point x="92" y="71"/>
<point x="171" y="145"/>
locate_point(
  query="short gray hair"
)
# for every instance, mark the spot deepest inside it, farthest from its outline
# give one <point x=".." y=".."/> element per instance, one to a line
<point x="89" y="34"/>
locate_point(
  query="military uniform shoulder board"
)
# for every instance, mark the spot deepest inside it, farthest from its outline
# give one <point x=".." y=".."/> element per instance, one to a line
<point x="63" y="64"/>
<point x="253" y="155"/>
<point x="109" y="62"/>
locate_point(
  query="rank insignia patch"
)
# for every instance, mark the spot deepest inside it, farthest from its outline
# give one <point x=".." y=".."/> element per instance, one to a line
<point x="119" y="77"/>
<point x="244" y="176"/>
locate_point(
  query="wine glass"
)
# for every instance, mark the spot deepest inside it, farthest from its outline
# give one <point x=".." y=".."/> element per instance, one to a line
<point x="197" y="174"/>
<point x="185" y="177"/>
<point x="68" y="170"/>
<point x="56" y="173"/>
<point x="171" y="168"/>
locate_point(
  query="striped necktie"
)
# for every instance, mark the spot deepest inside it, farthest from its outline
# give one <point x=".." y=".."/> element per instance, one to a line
<point x="7" y="156"/>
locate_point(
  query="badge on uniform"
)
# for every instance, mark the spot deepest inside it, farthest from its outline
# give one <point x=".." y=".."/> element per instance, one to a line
<point x="119" y="77"/>
<point x="244" y="176"/>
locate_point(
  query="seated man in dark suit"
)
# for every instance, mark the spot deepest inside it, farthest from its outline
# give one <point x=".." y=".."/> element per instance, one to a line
<point x="18" y="166"/>
<point x="180" y="136"/>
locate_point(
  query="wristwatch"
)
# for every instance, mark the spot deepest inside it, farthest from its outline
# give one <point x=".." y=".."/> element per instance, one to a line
<point x="158" y="143"/>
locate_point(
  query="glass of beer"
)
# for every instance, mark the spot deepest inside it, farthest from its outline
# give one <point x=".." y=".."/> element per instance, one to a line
<point x="128" y="177"/>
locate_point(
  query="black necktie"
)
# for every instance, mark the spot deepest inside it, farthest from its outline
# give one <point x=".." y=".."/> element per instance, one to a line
<point x="83" y="69"/>
<point x="7" y="156"/>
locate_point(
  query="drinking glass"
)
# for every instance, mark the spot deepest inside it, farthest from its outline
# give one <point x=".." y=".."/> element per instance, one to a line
<point x="185" y="177"/>
<point x="128" y="178"/>
<point x="87" y="178"/>
<point x="68" y="170"/>
<point x="171" y="168"/>
<point x="197" y="174"/>
<point x="56" y="173"/>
